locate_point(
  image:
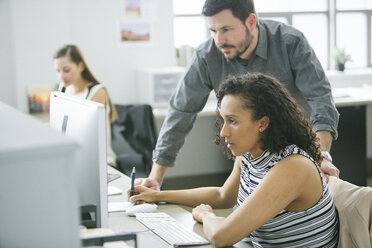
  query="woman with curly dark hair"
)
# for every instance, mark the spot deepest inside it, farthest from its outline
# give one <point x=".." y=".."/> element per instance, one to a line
<point x="282" y="199"/>
<point x="267" y="97"/>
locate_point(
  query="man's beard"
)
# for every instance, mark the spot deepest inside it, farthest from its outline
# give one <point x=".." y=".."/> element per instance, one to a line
<point x="241" y="48"/>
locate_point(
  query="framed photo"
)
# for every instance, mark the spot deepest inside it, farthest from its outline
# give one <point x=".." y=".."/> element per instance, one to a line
<point x="134" y="32"/>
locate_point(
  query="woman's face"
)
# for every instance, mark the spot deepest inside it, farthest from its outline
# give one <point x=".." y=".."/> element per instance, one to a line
<point x="242" y="134"/>
<point x="68" y="72"/>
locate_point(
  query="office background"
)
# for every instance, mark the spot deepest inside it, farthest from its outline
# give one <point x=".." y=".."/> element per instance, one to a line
<point x="33" y="30"/>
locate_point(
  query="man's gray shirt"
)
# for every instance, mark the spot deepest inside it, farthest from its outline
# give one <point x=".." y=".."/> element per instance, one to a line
<point x="282" y="52"/>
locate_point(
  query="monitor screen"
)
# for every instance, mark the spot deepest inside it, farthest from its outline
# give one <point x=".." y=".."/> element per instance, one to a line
<point x="84" y="121"/>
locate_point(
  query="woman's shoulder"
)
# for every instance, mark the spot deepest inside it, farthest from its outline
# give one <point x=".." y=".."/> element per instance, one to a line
<point x="290" y="150"/>
<point x="293" y="155"/>
<point x="98" y="93"/>
<point x="297" y="160"/>
<point x="96" y="88"/>
<point x="93" y="88"/>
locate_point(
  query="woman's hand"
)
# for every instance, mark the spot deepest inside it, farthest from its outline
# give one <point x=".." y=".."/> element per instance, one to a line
<point x="199" y="212"/>
<point x="142" y="194"/>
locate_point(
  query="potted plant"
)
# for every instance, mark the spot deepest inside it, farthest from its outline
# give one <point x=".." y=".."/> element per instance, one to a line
<point x="341" y="57"/>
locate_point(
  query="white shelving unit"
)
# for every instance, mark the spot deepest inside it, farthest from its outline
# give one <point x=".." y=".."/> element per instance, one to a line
<point x="157" y="85"/>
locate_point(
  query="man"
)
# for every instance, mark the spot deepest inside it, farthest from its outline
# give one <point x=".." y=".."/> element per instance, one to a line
<point x="240" y="44"/>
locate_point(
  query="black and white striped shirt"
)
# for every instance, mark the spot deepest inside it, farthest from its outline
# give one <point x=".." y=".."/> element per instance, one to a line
<point x="315" y="227"/>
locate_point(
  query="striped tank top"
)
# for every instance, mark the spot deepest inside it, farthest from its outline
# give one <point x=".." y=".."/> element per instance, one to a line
<point x="315" y="227"/>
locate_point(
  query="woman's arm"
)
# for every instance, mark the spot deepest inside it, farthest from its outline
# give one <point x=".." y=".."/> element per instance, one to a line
<point x="293" y="184"/>
<point x="217" y="197"/>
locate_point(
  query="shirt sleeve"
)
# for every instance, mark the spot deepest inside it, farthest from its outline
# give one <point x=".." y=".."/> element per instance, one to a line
<point x="315" y="87"/>
<point x="186" y="102"/>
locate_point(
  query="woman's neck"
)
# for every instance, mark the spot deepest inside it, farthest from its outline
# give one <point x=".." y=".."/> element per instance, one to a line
<point x="256" y="154"/>
<point x="80" y="86"/>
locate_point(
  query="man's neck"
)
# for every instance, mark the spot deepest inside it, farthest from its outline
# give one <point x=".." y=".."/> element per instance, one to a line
<point x="248" y="54"/>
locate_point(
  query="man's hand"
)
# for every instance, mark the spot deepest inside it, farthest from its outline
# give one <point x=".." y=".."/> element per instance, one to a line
<point x="155" y="178"/>
<point x="147" y="182"/>
<point x="328" y="169"/>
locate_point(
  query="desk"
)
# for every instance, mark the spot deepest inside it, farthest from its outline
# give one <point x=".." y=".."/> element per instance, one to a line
<point x="119" y="222"/>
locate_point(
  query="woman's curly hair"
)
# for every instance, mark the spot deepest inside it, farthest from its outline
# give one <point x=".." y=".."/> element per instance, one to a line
<point x="265" y="96"/>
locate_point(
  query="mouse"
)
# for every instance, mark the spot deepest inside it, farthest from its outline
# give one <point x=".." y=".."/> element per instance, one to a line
<point x="141" y="208"/>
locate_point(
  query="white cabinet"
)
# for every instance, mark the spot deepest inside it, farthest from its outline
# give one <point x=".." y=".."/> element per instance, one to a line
<point x="157" y="85"/>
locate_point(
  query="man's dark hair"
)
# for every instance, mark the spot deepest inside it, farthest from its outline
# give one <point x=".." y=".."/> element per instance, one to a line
<point x="241" y="9"/>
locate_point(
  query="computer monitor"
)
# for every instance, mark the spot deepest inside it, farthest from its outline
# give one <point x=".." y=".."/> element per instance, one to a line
<point x="84" y="121"/>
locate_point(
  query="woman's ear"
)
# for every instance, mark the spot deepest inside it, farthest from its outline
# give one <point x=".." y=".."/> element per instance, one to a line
<point x="81" y="66"/>
<point x="264" y="123"/>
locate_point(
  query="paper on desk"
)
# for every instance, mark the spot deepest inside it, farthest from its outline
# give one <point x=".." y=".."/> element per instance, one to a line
<point x="95" y="232"/>
<point x="99" y="232"/>
<point x="118" y="206"/>
<point x="112" y="190"/>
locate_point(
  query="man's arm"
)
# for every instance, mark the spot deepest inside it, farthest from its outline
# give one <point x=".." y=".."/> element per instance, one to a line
<point x="187" y="101"/>
<point x="327" y="168"/>
<point x="315" y="87"/>
<point x="311" y="80"/>
<point x="325" y="140"/>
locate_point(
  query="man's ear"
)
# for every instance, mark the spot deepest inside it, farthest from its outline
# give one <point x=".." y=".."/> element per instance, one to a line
<point x="251" y="22"/>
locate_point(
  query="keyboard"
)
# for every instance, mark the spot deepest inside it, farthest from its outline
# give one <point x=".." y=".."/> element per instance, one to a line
<point x="170" y="230"/>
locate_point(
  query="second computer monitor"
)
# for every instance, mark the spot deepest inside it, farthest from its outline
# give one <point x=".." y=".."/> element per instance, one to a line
<point x="84" y="121"/>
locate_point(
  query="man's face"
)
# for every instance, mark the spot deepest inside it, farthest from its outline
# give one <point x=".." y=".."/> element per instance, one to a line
<point x="232" y="37"/>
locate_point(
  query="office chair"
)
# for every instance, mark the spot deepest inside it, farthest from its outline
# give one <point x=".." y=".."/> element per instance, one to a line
<point x="134" y="138"/>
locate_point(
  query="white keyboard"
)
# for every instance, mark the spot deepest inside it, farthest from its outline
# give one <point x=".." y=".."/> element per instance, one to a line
<point x="170" y="230"/>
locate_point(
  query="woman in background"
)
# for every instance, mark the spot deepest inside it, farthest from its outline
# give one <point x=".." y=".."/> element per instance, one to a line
<point x="282" y="198"/>
<point x="76" y="79"/>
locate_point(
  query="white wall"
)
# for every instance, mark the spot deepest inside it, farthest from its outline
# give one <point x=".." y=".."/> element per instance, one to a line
<point x="33" y="30"/>
<point x="7" y="86"/>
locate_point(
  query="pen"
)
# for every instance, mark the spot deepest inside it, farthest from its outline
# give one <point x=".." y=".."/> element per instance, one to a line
<point x="133" y="177"/>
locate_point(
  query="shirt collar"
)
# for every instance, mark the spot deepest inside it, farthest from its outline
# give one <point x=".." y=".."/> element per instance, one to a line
<point x="257" y="162"/>
<point x="261" y="49"/>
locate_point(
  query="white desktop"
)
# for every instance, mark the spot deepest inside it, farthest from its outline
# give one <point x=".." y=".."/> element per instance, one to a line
<point x="38" y="193"/>
<point x="84" y="121"/>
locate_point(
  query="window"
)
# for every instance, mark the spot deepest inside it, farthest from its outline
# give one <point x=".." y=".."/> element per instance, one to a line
<point x="326" y="24"/>
<point x="190" y="27"/>
<point x="355" y="37"/>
